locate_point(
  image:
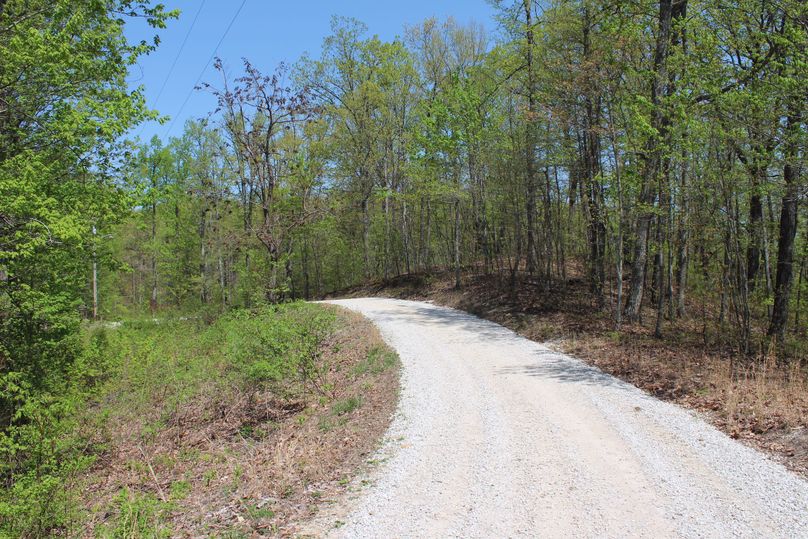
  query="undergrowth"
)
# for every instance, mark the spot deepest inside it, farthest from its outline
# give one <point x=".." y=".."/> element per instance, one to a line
<point x="124" y="373"/>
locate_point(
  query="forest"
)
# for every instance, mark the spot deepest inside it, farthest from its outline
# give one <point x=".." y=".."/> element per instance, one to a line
<point x="653" y="150"/>
<point x="657" y="149"/>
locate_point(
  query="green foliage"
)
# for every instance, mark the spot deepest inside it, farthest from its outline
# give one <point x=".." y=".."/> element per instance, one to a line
<point x="42" y="449"/>
<point x="65" y="64"/>
<point x="346" y="406"/>
<point x="65" y="104"/>
<point x="272" y="355"/>
<point x="120" y="373"/>
<point x="180" y="490"/>
<point x="137" y="516"/>
<point x="377" y="361"/>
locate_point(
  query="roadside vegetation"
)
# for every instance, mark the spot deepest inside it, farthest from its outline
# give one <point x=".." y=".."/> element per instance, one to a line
<point x="647" y="155"/>
<point x="182" y="427"/>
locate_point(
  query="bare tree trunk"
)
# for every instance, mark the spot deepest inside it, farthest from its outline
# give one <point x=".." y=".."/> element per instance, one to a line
<point x="366" y="236"/>
<point x="428" y="239"/>
<point x="457" y="242"/>
<point x="659" y="277"/>
<point x="306" y="285"/>
<point x="530" y="141"/>
<point x="755" y="226"/>
<point x="405" y="236"/>
<point x="203" y="258"/>
<point x="153" y="298"/>
<point x="95" y="267"/>
<point x="682" y="238"/>
<point x="788" y="231"/>
<point x="596" y="226"/>
<point x="767" y="265"/>
<point x="682" y="258"/>
<point x="387" y="231"/>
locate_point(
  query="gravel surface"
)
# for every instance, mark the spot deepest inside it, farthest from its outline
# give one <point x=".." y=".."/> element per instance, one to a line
<point x="498" y="436"/>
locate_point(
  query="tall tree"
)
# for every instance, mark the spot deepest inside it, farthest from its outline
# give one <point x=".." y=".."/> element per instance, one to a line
<point x="671" y="12"/>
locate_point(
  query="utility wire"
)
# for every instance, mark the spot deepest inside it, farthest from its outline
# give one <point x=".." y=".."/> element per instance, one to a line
<point x="179" y="52"/>
<point x="173" y="64"/>
<point x="202" y="73"/>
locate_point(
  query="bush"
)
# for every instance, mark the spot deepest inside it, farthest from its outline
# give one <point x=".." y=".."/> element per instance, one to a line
<point x="39" y="455"/>
<point x="282" y="355"/>
<point x="48" y="432"/>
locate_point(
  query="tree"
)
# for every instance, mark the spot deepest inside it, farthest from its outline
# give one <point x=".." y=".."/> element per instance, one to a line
<point x="64" y="105"/>
<point x="670" y="14"/>
<point x="260" y="113"/>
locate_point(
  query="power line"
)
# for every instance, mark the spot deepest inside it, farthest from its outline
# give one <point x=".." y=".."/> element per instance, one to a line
<point x="179" y="52"/>
<point x="173" y="64"/>
<point x="201" y="73"/>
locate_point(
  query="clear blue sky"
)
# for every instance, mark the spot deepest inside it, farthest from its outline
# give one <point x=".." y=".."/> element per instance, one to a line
<point x="266" y="32"/>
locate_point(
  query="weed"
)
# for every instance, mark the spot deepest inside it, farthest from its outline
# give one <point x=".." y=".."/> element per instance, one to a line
<point x="238" y="473"/>
<point x="180" y="490"/>
<point x="189" y="454"/>
<point x="257" y="513"/>
<point x="325" y="424"/>
<point x="346" y="406"/>
<point x="252" y="432"/>
<point x="137" y="515"/>
<point x="377" y="361"/>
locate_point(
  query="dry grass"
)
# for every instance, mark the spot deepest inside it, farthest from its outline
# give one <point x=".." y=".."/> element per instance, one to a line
<point x="752" y="399"/>
<point x="249" y="464"/>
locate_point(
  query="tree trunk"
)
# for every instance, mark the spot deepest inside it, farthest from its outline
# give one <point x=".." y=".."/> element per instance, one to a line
<point x="652" y="158"/>
<point x="95" y="272"/>
<point x="659" y="276"/>
<point x="788" y="231"/>
<point x="387" y="252"/>
<point x="457" y="242"/>
<point x="366" y="236"/>
<point x="755" y="225"/>
<point x="596" y="226"/>
<point x="153" y="298"/>
<point x="203" y="256"/>
<point x="530" y="141"/>
<point x="306" y="285"/>
<point x="682" y="239"/>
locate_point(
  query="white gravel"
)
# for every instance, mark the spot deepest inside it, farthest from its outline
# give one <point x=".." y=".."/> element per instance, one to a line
<point x="498" y="436"/>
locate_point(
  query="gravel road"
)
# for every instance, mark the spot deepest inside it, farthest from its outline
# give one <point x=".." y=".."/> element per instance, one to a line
<point x="497" y="436"/>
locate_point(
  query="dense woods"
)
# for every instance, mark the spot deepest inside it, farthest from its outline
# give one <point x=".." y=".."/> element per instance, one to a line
<point x="655" y="150"/>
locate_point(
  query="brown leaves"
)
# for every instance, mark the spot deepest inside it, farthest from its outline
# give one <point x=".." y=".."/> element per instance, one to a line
<point x="763" y="405"/>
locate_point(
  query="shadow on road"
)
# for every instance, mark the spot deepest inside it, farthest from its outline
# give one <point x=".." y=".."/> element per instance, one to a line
<point x="553" y="366"/>
<point x="548" y="364"/>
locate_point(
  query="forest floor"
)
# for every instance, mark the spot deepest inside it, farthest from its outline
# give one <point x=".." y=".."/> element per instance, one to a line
<point x="754" y="400"/>
<point x="201" y="434"/>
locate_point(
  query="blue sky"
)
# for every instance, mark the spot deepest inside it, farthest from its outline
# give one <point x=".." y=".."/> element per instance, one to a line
<point x="266" y="32"/>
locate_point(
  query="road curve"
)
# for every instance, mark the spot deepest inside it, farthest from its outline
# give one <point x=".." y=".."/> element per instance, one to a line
<point x="498" y="436"/>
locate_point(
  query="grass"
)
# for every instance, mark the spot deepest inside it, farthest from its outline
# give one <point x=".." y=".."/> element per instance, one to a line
<point x="346" y="406"/>
<point x="192" y="417"/>
<point x="137" y="516"/>
<point x="378" y="360"/>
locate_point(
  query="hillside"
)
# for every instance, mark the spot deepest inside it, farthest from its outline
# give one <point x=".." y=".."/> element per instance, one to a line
<point x="185" y="428"/>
